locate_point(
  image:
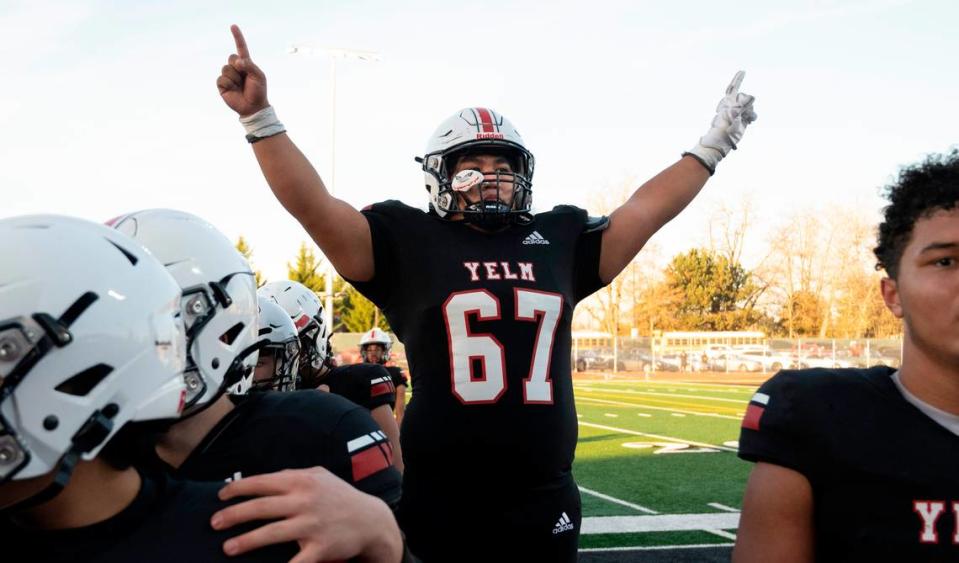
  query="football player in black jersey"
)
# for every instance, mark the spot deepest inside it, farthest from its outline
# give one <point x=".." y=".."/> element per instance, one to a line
<point x="85" y="352"/>
<point x="371" y="387"/>
<point x="861" y="464"/>
<point x="366" y="385"/>
<point x="227" y="437"/>
<point x="481" y="292"/>
<point x="375" y="348"/>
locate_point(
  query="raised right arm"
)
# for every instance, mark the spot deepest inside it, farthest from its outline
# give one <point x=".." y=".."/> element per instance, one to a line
<point x="341" y="231"/>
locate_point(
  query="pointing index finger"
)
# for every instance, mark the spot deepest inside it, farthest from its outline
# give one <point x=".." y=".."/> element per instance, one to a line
<point x="733" y="87"/>
<point x="241" y="48"/>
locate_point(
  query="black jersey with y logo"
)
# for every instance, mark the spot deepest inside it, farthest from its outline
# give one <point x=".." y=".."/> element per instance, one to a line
<point x="885" y="476"/>
<point x="485" y="319"/>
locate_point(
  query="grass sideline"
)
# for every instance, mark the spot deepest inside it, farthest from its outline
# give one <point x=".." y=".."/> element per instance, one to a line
<point x="656" y="458"/>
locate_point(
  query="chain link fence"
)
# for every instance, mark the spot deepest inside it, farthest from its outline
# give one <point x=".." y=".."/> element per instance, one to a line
<point x="724" y="353"/>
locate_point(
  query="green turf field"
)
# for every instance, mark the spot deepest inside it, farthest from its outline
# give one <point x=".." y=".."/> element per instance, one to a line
<point x="656" y="462"/>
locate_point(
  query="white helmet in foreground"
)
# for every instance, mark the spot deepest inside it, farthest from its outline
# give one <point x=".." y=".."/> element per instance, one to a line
<point x="83" y="350"/>
<point x="376" y="335"/>
<point x="219" y="297"/>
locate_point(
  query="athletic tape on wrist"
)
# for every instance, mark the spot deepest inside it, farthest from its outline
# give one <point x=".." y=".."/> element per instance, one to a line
<point x="262" y="124"/>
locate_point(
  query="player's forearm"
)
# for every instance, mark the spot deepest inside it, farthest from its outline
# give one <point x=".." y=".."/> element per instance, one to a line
<point x="651" y="206"/>
<point x="294" y="181"/>
<point x="669" y="192"/>
<point x="383" y="416"/>
<point x="341" y="231"/>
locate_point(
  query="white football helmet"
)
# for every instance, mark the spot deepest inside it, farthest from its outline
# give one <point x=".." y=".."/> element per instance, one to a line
<point x="304" y="308"/>
<point x="219" y="297"/>
<point x="376" y="335"/>
<point x="483" y="131"/>
<point x="90" y="339"/>
<point x="282" y="345"/>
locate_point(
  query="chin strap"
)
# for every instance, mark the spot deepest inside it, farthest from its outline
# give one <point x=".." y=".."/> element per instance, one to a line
<point x="91" y="435"/>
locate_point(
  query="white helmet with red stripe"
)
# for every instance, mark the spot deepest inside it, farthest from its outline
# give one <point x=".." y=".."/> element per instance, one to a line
<point x="376" y="335"/>
<point x="306" y="312"/>
<point x="478" y="131"/>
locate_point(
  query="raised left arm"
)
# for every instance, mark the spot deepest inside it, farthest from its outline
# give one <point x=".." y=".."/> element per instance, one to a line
<point x="660" y="199"/>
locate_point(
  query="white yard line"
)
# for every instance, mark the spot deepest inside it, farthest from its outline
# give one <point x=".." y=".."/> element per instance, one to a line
<point x="722" y="534"/>
<point x="620" y="403"/>
<point x="661" y="394"/>
<point x="713" y="523"/>
<point x="658" y="436"/>
<point x="722" y="507"/>
<point x="657" y="547"/>
<point x="673" y="384"/>
<point x="655" y="522"/>
<point x="617" y="501"/>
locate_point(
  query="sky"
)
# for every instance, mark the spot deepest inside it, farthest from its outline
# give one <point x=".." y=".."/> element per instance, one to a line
<point x="108" y="107"/>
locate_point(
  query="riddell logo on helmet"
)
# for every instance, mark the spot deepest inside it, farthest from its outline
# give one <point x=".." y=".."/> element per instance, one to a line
<point x="489" y="135"/>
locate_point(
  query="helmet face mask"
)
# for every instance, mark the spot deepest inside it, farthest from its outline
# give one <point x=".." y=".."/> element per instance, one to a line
<point x="283" y="368"/>
<point x="278" y="362"/>
<point x="479" y="131"/>
<point x="315" y="361"/>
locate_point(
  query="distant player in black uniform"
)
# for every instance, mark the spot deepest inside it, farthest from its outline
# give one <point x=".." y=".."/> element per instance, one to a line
<point x="863" y="464"/>
<point x="375" y="348"/>
<point x="481" y="292"/>
<point x="229" y="437"/>
<point x="84" y="354"/>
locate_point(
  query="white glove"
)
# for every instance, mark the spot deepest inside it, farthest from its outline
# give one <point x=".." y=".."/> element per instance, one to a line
<point x="733" y="114"/>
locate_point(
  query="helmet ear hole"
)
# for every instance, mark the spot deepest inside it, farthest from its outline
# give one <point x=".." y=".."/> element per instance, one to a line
<point x="230" y="335"/>
<point x="82" y="383"/>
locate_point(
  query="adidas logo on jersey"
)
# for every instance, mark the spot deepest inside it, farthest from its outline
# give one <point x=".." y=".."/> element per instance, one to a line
<point x="535" y="238"/>
<point x="564" y="524"/>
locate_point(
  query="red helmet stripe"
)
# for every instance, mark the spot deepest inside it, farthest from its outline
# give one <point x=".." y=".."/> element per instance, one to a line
<point x="486" y="119"/>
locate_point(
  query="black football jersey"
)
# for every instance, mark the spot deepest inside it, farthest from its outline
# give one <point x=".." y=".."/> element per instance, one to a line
<point x="885" y="476"/>
<point x="272" y="431"/>
<point x="367" y="385"/>
<point x="399" y="378"/>
<point x="168" y="521"/>
<point x="485" y="319"/>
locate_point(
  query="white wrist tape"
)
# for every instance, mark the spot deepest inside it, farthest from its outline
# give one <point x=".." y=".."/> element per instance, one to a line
<point x="262" y="124"/>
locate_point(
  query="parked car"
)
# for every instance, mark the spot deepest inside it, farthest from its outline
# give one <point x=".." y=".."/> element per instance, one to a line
<point x="734" y="362"/>
<point x="593" y="360"/>
<point x="771" y="361"/>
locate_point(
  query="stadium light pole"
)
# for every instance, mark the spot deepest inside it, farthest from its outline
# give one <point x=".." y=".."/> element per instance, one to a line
<point x="334" y="54"/>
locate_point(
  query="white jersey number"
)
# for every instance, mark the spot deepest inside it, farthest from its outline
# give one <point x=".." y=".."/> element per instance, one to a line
<point x="466" y="347"/>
